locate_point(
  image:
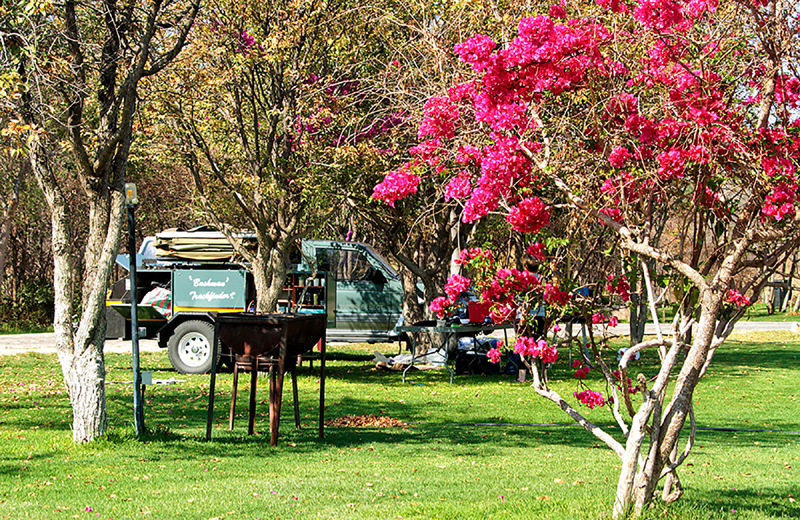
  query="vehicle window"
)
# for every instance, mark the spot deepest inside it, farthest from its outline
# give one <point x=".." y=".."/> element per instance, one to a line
<point x="351" y="266"/>
<point x="147" y="249"/>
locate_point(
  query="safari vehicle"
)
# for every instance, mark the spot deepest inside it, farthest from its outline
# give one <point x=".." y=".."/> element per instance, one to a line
<point x="185" y="277"/>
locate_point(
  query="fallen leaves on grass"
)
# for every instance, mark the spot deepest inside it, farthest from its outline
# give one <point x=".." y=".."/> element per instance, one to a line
<point x="366" y="421"/>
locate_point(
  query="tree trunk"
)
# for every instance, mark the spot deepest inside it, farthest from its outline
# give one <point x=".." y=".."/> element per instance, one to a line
<point x="84" y="376"/>
<point x="665" y="440"/>
<point x="638" y="312"/>
<point x="413" y="311"/>
<point x="787" y="298"/>
<point x="262" y="282"/>
<point x="80" y="351"/>
<point x="98" y="224"/>
<point x="269" y="275"/>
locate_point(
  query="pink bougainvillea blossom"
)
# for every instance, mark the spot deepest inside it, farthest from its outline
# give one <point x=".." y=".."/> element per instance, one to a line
<point x="493" y="355"/>
<point x="440" y="116"/>
<point x="396" y="185"/>
<point x="671" y="164"/>
<point x="527" y="346"/>
<point x="582" y="372"/>
<point x="619" y="285"/>
<point x="468" y="255"/>
<point x="529" y="216"/>
<point x="614" y="213"/>
<point x="458" y="187"/>
<point x="590" y="398"/>
<point x="737" y="298"/>
<point x="658" y="15"/>
<point x="477" y="51"/>
<point x="616" y="6"/>
<point x="556" y="11"/>
<point x="440" y="306"/>
<point x="619" y="156"/>
<point x="536" y="250"/>
<point x="554" y="296"/>
<point x="780" y="203"/>
<point x="456" y="285"/>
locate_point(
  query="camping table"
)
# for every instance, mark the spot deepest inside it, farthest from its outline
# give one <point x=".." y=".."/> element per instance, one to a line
<point x="448" y="331"/>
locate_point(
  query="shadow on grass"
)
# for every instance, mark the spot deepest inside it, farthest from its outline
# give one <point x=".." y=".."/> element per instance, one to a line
<point x="767" y="355"/>
<point x="771" y="502"/>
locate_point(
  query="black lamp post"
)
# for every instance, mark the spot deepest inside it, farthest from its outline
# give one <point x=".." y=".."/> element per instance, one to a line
<point x="131" y="201"/>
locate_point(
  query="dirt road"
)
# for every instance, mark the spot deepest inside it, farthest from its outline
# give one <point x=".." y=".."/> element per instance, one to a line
<point x="46" y="344"/>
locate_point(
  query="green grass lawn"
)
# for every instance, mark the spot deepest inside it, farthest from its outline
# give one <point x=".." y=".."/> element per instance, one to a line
<point x="758" y="312"/>
<point x="485" y="447"/>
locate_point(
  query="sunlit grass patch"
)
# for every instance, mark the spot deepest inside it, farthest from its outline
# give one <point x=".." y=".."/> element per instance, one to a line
<point x="484" y="447"/>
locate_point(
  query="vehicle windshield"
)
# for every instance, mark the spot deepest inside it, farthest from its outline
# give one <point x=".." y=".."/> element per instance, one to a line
<point x="382" y="259"/>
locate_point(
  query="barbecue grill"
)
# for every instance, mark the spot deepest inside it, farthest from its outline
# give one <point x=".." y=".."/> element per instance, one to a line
<point x="273" y="341"/>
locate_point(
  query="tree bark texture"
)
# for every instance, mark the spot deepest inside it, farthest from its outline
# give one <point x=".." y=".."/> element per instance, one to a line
<point x="80" y="351"/>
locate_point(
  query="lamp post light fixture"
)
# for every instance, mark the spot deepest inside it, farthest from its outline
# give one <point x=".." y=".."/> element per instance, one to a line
<point x="131" y="201"/>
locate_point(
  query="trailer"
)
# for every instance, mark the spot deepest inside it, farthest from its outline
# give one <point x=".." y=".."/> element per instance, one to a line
<point x="184" y="278"/>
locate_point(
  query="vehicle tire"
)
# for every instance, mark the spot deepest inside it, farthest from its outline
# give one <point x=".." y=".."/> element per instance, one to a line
<point x="189" y="347"/>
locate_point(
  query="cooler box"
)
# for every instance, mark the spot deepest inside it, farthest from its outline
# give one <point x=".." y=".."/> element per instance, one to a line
<point x="477" y="311"/>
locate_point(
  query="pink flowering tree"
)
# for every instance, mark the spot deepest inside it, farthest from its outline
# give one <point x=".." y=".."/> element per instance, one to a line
<point x="641" y="116"/>
<point x="424" y="232"/>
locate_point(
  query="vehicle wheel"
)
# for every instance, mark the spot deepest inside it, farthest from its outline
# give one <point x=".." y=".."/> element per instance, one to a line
<point x="190" y="347"/>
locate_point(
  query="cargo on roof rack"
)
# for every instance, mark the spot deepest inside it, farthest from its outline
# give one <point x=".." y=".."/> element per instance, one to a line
<point x="201" y="244"/>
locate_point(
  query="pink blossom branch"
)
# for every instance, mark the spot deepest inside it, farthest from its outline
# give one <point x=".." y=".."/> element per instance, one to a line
<point x="580" y="419"/>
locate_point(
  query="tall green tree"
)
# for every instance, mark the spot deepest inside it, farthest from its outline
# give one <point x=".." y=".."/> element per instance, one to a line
<point x="267" y="121"/>
<point x="81" y="63"/>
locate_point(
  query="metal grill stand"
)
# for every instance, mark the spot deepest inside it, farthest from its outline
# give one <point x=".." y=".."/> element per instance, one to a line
<point x="268" y="340"/>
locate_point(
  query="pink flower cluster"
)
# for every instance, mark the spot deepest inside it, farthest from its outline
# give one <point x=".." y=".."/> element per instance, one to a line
<point x="552" y="295"/>
<point x="619" y="156"/>
<point x="671" y="164"/>
<point x="529" y="216"/>
<point x="246" y="40"/>
<point x="493" y="355"/>
<point x="527" y="346"/>
<point x="599" y="318"/>
<point x="780" y="203"/>
<point x="583" y="370"/>
<point x="458" y="187"/>
<point x="619" y="285"/>
<point x="456" y="284"/>
<point x="396" y="185"/>
<point x="477" y="51"/>
<point x="615" y="6"/>
<point x="440" y="306"/>
<point x="440" y="115"/>
<point x="468" y="255"/>
<point x="590" y="398"/>
<point x="737" y="298"/>
<point x="536" y="250"/>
